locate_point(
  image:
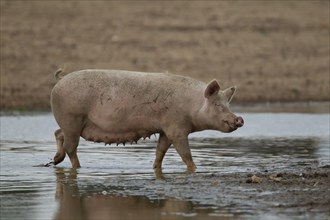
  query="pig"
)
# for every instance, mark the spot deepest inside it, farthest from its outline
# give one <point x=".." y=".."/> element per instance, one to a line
<point x="117" y="106"/>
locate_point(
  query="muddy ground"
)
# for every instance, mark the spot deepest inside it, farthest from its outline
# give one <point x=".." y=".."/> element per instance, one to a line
<point x="233" y="181"/>
<point x="273" y="51"/>
<point x="276" y="167"/>
<point x="297" y="194"/>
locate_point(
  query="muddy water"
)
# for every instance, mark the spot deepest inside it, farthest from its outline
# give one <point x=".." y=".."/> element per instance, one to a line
<point x="119" y="183"/>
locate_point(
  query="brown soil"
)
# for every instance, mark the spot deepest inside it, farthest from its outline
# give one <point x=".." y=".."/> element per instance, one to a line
<point x="273" y="51"/>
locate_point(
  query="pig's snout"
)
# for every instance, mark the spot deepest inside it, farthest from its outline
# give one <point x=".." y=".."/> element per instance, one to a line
<point x="239" y="122"/>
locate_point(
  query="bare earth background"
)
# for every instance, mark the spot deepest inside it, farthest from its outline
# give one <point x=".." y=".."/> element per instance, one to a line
<point x="273" y="51"/>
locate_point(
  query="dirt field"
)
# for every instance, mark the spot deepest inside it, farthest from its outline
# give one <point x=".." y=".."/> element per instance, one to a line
<point x="273" y="51"/>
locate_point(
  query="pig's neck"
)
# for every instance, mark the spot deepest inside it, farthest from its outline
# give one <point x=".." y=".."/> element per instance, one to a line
<point x="199" y="122"/>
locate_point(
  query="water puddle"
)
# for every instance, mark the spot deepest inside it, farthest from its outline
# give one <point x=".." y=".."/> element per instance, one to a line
<point x="288" y="153"/>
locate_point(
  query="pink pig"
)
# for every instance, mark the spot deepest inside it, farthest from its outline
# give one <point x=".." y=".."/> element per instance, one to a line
<point x="113" y="106"/>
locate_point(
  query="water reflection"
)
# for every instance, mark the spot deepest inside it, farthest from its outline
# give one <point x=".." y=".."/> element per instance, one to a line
<point x="73" y="204"/>
<point x="270" y="147"/>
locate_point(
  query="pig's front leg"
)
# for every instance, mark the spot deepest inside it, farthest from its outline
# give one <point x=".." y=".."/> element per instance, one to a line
<point x="162" y="147"/>
<point x="181" y="145"/>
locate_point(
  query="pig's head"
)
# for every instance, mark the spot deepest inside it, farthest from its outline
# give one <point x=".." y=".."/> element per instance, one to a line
<point x="215" y="113"/>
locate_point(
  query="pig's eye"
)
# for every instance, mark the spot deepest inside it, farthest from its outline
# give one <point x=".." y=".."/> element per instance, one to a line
<point x="219" y="105"/>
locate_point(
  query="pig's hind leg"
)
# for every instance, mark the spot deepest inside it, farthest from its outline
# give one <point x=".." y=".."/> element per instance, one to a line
<point x="71" y="144"/>
<point x="60" y="154"/>
<point x="67" y="139"/>
<point x="71" y="141"/>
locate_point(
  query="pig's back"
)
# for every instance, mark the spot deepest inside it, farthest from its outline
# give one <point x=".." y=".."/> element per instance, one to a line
<point x="114" y="90"/>
<point x="124" y="85"/>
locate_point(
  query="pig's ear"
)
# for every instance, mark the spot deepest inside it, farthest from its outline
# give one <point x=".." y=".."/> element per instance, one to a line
<point x="212" y="88"/>
<point x="230" y="93"/>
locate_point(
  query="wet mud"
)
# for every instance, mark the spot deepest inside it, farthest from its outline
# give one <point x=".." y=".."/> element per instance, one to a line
<point x="240" y="177"/>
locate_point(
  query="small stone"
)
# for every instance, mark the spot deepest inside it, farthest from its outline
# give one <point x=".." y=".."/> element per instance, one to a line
<point x="275" y="178"/>
<point x="256" y="179"/>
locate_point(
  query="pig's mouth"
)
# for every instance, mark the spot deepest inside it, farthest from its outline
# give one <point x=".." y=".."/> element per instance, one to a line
<point x="231" y="126"/>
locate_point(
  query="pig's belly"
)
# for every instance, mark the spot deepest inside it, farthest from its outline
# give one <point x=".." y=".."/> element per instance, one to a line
<point x="92" y="132"/>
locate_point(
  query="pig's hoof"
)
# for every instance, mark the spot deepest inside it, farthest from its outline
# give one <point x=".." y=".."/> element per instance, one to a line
<point x="158" y="173"/>
<point x="191" y="170"/>
<point x="45" y="165"/>
<point x="58" y="158"/>
<point x="49" y="164"/>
